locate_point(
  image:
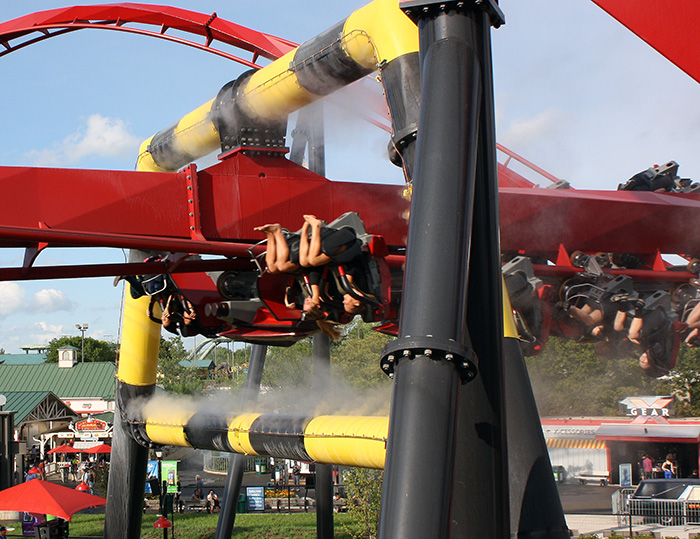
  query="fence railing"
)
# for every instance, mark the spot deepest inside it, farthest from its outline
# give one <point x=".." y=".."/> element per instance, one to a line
<point x="218" y="461"/>
<point x="662" y="512"/>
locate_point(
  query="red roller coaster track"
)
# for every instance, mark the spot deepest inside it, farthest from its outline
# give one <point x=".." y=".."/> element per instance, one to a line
<point x="20" y="32"/>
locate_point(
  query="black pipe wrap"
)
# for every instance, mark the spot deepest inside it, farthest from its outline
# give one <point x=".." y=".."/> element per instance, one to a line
<point x="402" y="86"/>
<point x="280" y="436"/>
<point x="206" y="430"/>
<point x="163" y="151"/>
<point x="133" y="421"/>
<point x="322" y="66"/>
<point x="238" y="128"/>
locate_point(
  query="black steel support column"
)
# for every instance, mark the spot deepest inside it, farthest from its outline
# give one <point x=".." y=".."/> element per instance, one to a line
<point x="128" y="461"/>
<point x="536" y="511"/>
<point x="8" y="449"/>
<point x="324" y="472"/>
<point x="443" y="412"/>
<point x="236" y="465"/>
<point x="127" y="478"/>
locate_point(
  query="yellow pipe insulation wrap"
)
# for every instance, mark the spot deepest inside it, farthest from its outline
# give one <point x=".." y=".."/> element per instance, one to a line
<point x="239" y="433"/>
<point x="354" y="441"/>
<point x="138" y="355"/>
<point x="378" y="32"/>
<point x="166" y="423"/>
<point x="509" y="329"/>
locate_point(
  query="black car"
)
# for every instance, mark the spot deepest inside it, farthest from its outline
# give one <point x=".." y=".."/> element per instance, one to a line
<point x="668" y="501"/>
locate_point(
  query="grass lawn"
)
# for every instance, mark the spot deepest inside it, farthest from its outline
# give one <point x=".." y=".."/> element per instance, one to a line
<point x="203" y="526"/>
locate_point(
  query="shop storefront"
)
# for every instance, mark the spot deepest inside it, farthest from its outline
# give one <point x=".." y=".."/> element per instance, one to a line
<point x="589" y="447"/>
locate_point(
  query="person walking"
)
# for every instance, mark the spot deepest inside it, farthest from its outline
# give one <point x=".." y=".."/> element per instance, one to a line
<point x="647" y="467"/>
<point x="669" y="467"/>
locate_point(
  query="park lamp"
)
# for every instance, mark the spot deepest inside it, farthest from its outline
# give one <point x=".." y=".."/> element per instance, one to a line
<point x="164" y="523"/>
<point x="82" y="329"/>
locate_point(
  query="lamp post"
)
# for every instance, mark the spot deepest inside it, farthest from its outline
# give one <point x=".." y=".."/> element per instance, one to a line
<point x="82" y="329"/>
<point x="162" y="522"/>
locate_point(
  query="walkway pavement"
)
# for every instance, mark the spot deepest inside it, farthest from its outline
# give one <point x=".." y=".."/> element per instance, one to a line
<point x="606" y="524"/>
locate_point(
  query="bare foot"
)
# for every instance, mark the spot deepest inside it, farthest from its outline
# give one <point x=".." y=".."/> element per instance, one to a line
<point x="312" y="220"/>
<point x="269" y="229"/>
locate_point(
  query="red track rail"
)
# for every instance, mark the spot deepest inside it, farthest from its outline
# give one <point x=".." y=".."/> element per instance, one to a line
<point x="22" y="31"/>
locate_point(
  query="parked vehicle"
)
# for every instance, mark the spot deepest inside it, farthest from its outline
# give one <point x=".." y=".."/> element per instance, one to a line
<point x="667" y="501"/>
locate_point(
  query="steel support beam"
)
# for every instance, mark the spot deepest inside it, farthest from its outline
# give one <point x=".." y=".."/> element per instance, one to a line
<point x="324" y="472"/>
<point x="236" y="466"/>
<point x="439" y="404"/>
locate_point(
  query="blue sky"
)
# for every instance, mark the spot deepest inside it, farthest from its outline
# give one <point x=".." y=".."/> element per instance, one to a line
<point x="576" y="93"/>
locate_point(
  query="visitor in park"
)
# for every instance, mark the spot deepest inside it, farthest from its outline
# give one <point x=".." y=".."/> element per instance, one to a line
<point x="3" y="531"/>
<point x="198" y="488"/>
<point x="212" y="502"/>
<point x="296" y="473"/>
<point x="669" y="467"/>
<point x="647" y="467"/>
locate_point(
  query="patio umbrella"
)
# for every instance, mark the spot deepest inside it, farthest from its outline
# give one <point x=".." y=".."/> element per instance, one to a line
<point x="63" y="449"/>
<point x="44" y="497"/>
<point x="102" y="448"/>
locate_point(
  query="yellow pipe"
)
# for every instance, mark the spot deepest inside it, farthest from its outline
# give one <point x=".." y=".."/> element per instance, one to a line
<point x="239" y="434"/>
<point x="354" y="441"/>
<point x="509" y="329"/>
<point x="378" y="32"/>
<point x="138" y="355"/>
<point x="165" y="422"/>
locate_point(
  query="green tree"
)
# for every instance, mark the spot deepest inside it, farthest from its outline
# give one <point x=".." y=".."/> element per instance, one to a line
<point x="364" y="492"/>
<point x="683" y="383"/>
<point x="175" y="377"/>
<point x="570" y="378"/>
<point x="288" y="367"/>
<point x="95" y="350"/>
<point x="356" y="357"/>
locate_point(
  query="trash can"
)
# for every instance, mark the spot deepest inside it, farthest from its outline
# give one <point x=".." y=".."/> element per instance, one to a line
<point x="559" y="473"/>
<point x="241" y="504"/>
<point x="53" y="529"/>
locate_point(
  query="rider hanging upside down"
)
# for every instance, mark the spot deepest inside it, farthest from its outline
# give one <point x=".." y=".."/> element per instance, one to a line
<point x="289" y="252"/>
<point x="652" y="329"/>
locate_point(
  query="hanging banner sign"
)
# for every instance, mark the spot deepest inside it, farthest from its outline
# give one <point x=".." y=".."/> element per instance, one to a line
<point x="169" y="471"/>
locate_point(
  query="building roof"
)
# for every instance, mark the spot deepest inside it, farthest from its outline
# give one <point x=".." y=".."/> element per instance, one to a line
<point x="34" y="347"/>
<point x="83" y="380"/>
<point x="22" y="359"/>
<point x="198" y="363"/>
<point x="27" y="405"/>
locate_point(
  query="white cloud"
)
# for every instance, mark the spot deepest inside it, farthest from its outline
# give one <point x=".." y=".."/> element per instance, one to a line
<point x="42" y="332"/>
<point x="521" y="133"/>
<point x="100" y="136"/>
<point x="50" y="300"/>
<point x="12" y="298"/>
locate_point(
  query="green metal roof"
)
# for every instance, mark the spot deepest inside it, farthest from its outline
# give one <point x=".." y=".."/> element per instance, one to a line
<point x="23" y="403"/>
<point x="198" y="363"/>
<point x="22" y="359"/>
<point x="83" y="380"/>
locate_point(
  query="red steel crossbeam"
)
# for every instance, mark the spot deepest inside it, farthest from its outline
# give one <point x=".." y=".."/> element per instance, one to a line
<point x="152" y="211"/>
<point x="669" y="26"/>
<point x="22" y="31"/>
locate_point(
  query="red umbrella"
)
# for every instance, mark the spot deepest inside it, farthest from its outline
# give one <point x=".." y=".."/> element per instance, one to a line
<point x="63" y="449"/>
<point x="37" y="496"/>
<point x="102" y="448"/>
